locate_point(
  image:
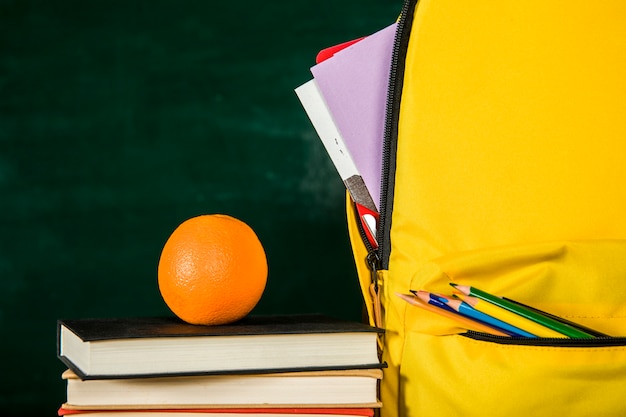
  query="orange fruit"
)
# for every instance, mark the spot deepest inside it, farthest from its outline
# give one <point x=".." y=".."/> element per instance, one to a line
<point x="212" y="270"/>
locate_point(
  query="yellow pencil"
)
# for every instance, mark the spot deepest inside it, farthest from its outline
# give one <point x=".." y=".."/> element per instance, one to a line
<point x="509" y="317"/>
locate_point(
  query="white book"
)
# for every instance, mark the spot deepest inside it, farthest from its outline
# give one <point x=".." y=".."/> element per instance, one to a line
<point x="348" y="388"/>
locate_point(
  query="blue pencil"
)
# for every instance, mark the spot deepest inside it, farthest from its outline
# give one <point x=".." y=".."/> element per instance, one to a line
<point x="467" y="310"/>
<point x="433" y="300"/>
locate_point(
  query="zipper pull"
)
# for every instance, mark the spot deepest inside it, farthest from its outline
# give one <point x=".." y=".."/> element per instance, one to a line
<point x="369" y="223"/>
<point x="373" y="262"/>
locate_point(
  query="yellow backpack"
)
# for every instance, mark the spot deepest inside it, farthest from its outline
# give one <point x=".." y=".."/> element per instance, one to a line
<point x="505" y="169"/>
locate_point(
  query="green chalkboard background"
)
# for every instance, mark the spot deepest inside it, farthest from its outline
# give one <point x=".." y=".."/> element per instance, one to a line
<point x="119" y="119"/>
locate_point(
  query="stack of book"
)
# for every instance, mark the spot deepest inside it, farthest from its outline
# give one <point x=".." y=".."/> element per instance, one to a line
<point x="262" y="365"/>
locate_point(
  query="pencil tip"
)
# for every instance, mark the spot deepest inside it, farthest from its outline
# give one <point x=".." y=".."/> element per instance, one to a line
<point x="414" y="292"/>
<point x="453" y="284"/>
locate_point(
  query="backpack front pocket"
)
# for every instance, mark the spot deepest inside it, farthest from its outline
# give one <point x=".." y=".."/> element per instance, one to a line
<point x="445" y="368"/>
<point x="459" y="375"/>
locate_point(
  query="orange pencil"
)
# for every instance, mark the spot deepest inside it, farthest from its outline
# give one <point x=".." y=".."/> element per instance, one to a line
<point x="462" y="320"/>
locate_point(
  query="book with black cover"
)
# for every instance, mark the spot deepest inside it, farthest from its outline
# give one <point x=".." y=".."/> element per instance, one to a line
<point x="161" y="346"/>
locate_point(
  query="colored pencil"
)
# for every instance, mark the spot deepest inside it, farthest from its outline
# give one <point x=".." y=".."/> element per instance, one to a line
<point x="586" y="329"/>
<point x="431" y="299"/>
<point x="548" y="322"/>
<point x="436" y="301"/>
<point x="458" y="318"/>
<point x="507" y="316"/>
<point x="471" y="312"/>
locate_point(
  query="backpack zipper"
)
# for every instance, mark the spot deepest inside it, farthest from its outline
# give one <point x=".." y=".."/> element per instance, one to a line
<point x="548" y="341"/>
<point x="394" y="96"/>
<point x="378" y="258"/>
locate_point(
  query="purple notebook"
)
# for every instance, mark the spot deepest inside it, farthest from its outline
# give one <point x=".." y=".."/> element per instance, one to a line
<point x="354" y="85"/>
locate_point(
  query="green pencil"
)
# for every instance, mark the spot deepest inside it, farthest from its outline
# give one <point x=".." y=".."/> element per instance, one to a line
<point x="556" y="325"/>
<point x="579" y="326"/>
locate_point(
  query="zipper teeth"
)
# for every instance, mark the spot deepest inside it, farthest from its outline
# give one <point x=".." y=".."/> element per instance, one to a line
<point x="393" y="100"/>
<point x="548" y="341"/>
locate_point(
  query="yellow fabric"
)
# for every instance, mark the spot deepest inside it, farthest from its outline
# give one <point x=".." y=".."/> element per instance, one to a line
<point x="510" y="177"/>
<point x="523" y="98"/>
<point x="457" y="376"/>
